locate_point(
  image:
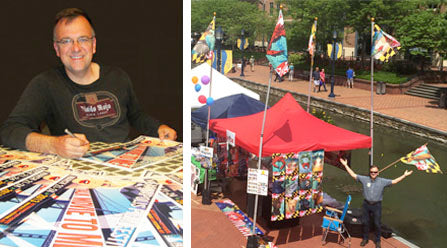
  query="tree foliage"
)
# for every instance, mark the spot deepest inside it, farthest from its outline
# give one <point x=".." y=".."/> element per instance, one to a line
<point x="233" y="16"/>
<point x="419" y="25"/>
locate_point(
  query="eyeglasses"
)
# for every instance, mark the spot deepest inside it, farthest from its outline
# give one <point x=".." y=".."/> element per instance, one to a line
<point x="373" y="172"/>
<point x="82" y="41"/>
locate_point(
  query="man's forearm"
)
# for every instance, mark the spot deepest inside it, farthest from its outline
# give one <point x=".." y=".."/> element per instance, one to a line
<point x="37" y="142"/>
<point x="351" y="172"/>
<point x="396" y="180"/>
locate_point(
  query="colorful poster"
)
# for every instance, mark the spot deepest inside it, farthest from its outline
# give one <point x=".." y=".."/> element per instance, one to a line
<point x="137" y="154"/>
<point x="73" y="203"/>
<point x="237" y="217"/>
<point x="296" y="188"/>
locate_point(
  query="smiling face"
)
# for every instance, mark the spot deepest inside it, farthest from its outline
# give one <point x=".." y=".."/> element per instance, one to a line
<point x="76" y="56"/>
<point x="373" y="172"/>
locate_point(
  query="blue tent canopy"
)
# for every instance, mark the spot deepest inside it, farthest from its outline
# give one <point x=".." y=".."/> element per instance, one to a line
<point x="227" y="107"/>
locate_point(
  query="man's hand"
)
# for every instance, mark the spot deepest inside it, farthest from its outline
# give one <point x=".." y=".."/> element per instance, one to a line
<point x="166" y="133"/>
<point x="407" y="173"/>
<point x="344" y="161"/>
<point x="349" y="170"/>
<point x="65" y="146"/>
<point x="69" y="147"/>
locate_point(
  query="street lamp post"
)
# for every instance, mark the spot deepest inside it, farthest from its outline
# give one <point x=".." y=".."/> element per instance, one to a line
<point x="242" y="48"/>
<point x="219" y="38"/>
<point x="333" y="57"/>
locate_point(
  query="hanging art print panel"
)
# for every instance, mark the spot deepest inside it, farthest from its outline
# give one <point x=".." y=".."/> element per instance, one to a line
<point x="296" y="189"/>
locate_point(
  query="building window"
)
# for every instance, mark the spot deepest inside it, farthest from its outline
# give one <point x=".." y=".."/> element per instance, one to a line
<point x="271" y="8"/>
<point x="278" y="5"/>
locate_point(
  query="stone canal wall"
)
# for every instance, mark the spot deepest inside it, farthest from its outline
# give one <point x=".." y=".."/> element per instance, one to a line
<point x="349" y="110"/>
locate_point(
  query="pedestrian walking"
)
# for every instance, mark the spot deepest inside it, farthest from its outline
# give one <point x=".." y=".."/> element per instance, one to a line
<point x="252" y="63"/>
<point x="291" y="72"/>
<point x="350" y="74"/>
<point x="373" y="187"/>
<point x="277" y="77"/>
<point x="322" y="80"/>
<point x="316" y="78"/>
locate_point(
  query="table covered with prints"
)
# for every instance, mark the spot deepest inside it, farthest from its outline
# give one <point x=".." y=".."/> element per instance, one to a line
<point x="121" y="194"/>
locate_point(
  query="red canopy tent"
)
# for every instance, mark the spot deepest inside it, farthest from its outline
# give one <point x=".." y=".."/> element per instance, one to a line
<point x="288" y="128"/>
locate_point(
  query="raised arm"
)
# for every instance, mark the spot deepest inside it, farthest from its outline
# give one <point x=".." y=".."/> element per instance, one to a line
<point x="349" y="170"/>
<point x="406" y="173"/>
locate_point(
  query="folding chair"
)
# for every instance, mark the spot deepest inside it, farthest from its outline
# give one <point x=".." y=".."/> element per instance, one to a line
<point x="332" y="222"/>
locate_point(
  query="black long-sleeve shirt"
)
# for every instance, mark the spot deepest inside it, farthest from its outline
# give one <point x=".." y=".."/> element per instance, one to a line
<point x="103" y="110"/>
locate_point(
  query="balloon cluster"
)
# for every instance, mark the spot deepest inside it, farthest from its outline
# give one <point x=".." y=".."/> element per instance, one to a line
<point x="205" y="80"/>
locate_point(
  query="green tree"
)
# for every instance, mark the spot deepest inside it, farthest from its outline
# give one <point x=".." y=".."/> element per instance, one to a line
<point x="388" y="14"/>
<point x="233" y="16"/>
<point x="331" y="16"/>
<point x="422" y="34"/>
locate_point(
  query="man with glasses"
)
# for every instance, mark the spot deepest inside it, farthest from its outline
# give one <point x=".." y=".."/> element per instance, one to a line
<point x="95" y="101"/>
<point x="373" y="187"/>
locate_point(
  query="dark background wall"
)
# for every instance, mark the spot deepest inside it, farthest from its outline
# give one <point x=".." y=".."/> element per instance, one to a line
<point x="141" y="36"/>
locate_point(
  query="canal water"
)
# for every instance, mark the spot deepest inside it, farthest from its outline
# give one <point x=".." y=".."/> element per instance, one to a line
<point x="415" y="208"/>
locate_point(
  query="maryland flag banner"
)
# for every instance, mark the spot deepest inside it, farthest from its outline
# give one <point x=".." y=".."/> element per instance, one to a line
<point x="422" y="159"/>
<point x="205" y="45"/>
<point x="384" y="45"/>
<point x="311" y="46"/>
<point x="277" y="49"/>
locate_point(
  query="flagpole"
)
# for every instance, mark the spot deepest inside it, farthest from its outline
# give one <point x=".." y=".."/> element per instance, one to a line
<point x="395" y="162"/>
<point x="371" y="155"/>
<point x="281" y="69"/>
<point x="209" y="94"/>
<point x="311" y="68"/>
<point x="260" y="148"/>
<point x="206" y="194"/>
<point x="388" y="166"/>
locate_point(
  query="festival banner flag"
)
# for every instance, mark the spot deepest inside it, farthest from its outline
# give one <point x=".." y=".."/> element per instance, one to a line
<point x="277" y="49"/>
<point x="205" y="45"/>
<point x="311" y="46"/>
<point x="242" y="44"/>
<point x="422" y="159"/>
<point x="384" y="45"/>
<point x="226" y="61"/>
<point x="338" y="50"/>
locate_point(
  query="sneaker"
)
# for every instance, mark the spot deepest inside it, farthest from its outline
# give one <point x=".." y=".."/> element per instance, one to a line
<point x="378" y="244"/>
<point x="364" y="242"/>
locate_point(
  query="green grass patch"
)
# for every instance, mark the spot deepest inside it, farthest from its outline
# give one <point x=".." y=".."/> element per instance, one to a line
<point x="387" y="77"/>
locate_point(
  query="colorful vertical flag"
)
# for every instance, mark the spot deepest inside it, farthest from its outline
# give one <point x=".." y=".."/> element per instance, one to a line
<point x="277" y="49"/>
<point x="422" y="159"/>
<point x="311" y="46"/>
<point x="384" y="45"/>
<point x="205" y="46"/>
<point x="242" y="44"/>
<point x="338" y="50"/>
<point x="226" y="61"/>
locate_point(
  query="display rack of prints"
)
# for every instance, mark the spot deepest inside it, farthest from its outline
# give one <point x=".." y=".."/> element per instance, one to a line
<point x="296" y="184"/>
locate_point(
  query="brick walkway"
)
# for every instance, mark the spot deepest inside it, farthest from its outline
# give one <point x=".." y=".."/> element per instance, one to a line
<point x="414" y="109"/>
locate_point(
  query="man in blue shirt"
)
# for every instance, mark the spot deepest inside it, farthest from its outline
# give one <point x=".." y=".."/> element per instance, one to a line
<point x="350" y="75"/>
<point x="373" y="187"/>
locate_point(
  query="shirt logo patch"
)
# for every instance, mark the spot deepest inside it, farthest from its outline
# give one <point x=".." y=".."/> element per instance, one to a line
<point x="97" y="109"/>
